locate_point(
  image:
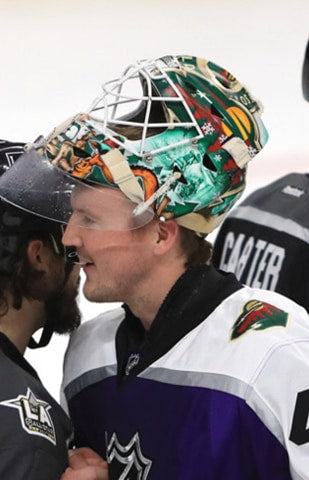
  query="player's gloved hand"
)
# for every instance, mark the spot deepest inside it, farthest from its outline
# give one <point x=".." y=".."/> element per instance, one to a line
<point x="85" y="464"/>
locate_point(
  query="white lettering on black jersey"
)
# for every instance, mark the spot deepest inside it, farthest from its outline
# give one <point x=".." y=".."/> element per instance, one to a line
<point x="265" y="260"/>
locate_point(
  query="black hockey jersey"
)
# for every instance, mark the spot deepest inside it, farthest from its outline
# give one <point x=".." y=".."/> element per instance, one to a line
<point x="265" y="240"/>
<point x="34" y="428"/>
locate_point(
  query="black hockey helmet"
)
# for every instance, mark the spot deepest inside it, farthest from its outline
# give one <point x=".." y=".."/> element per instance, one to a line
<point x="18" y="226"/>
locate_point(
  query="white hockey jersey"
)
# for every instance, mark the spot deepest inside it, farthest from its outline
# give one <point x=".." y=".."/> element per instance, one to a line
<point x="227" y="399"/>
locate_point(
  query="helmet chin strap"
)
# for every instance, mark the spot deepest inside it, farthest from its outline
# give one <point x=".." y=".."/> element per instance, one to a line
<point x="123" y="176"/>
<point x="44" y="339"/>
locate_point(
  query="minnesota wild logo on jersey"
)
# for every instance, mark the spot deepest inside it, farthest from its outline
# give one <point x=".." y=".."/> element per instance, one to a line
<point x="257" y="315"/>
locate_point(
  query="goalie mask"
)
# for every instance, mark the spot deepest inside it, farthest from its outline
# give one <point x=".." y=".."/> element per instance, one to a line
<point x="174" y="134"/>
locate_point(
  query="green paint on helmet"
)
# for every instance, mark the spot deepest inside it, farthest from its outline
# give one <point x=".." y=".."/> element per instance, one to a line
<point x="186" y="135"/>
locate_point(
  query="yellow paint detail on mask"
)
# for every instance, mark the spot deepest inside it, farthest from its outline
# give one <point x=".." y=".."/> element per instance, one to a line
<point x="241" y="120"/>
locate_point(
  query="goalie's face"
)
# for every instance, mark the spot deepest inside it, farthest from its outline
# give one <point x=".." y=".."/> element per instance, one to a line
<point x="100" y="208"/>
<point x="115" y="261"/>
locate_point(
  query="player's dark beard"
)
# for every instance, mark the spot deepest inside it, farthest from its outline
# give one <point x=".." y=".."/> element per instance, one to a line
<point x="61" y="310"/>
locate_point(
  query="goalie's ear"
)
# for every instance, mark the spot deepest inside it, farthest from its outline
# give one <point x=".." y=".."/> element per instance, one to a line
<point x="167" y="233"/>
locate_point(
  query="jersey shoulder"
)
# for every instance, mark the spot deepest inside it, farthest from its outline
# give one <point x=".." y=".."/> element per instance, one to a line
<point x="103" y="325"/>
<point x="238" y="337"/>
<point x="92" y="345"/>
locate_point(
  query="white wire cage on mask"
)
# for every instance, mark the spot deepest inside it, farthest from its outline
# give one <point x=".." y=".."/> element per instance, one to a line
<point x="132" y="101"/>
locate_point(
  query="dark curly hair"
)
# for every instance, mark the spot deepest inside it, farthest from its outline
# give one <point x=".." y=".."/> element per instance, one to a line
<point x="22" y="279"/>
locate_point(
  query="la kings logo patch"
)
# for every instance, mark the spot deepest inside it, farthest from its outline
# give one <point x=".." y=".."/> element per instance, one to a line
<point x="257" y="315"/>
<point x="127" y="461"/>
<point x="34" y="415"/>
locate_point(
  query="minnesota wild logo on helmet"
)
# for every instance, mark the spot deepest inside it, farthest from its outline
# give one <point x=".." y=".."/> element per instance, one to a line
<point x="175" y="133"/>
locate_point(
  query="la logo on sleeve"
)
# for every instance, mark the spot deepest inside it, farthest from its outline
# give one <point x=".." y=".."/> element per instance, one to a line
<point x="34" y="415"/>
